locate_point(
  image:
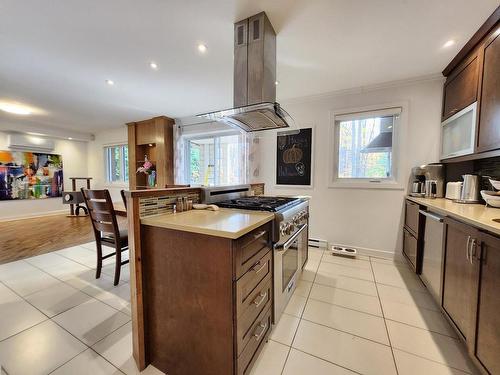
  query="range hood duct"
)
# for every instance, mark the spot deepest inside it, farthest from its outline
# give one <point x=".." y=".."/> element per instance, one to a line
<point x="254" y="95"/>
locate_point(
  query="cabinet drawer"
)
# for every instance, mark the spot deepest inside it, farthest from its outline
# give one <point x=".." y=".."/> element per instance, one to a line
<point x="250" y="248"/>
<point x="410" y="248"/>
<point x="258" y="334"/>
<point x="246" y="285"/>
<point x="412" y="217"/>
<point x="260" y="299"/>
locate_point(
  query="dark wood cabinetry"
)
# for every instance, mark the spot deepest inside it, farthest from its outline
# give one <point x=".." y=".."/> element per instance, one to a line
<point x="489" y="114"/>
<point x="461" y="270"/>
<point x="488" y="317"/>
<point x="412" y="235"/>
<point x="460" y="88"/>
<point x="207" y="300"/>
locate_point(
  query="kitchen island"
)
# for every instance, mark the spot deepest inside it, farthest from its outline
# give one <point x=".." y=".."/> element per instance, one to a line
<point x="202" y="292"/>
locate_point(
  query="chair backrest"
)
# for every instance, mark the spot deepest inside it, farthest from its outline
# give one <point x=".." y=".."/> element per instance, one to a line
<point x="124" y="198"/>
<point x="176" y="186"/>
<point x="101" y="212"/>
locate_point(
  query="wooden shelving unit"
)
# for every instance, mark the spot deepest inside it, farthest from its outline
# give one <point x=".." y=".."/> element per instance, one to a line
<point x="152" y="138"/>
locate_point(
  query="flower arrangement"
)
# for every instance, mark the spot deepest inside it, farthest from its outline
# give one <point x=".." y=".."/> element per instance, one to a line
<point x="147" y="167"/>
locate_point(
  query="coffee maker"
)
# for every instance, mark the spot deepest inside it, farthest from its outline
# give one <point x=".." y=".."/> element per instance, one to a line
<point x="427" y="181"/>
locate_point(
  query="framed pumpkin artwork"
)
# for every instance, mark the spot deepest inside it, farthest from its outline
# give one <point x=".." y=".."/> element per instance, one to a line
<point x="294" y="157"/>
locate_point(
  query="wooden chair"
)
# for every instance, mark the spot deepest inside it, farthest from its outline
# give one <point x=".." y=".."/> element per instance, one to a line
<point x="124" y="198"/>
<point x="106" y="230"/>
<point x="176" y="186"/>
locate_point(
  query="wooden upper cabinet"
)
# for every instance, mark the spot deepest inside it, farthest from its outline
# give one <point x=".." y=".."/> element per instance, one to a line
<point x="460" y="88"/>
<point x="489" y="114"/>
<point x="488" y="318"/>
<point x="461" y="273"/>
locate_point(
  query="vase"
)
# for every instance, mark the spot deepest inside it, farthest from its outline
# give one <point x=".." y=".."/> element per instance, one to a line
<point x="152" y="179"/>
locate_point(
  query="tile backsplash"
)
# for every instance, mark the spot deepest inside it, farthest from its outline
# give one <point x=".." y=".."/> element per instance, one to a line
<point x="485" y="168"/>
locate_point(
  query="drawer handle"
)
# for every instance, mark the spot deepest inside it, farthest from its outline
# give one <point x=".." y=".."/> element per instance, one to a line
<point x="257" y="269"/>
<point x="260" y="234"/>
<point x="263" y="327"/>
<point x="263" y="297"/>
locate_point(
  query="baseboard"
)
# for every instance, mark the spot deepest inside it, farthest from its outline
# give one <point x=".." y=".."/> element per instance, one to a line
<point x="33" y="216"/>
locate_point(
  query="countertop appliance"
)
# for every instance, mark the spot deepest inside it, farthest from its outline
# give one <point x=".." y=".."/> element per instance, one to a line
<point x="453" y="190"/>
<point x="290" y="233"/>
<point x="432" y="261"/>
<point x="420" y="181"/>
<point x="254" y="92"/>
<point x="470" y="189"/>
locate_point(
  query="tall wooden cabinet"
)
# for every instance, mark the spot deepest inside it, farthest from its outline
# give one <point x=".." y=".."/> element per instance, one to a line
<point x="153" y="139"/>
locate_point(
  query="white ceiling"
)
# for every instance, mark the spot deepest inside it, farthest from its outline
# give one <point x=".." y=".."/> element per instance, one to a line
<point x="56" y="55"/>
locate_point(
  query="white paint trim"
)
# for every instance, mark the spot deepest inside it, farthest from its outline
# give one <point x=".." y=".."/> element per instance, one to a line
<point x="363" y="89"/>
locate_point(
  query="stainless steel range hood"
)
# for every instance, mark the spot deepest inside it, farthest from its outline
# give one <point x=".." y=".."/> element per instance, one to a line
<point x="254" y="95"/>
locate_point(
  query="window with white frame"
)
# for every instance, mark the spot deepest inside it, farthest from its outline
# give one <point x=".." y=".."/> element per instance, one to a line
<point x="217" y="159"/>
<point x="116" y="159"/>
<point x="365" y="147"/>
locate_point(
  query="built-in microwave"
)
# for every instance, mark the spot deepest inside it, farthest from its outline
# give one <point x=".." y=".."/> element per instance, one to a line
<point x="458" y="133"/>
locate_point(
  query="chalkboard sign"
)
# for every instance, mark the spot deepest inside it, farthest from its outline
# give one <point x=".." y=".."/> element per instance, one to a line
<point x="293" y="157"/>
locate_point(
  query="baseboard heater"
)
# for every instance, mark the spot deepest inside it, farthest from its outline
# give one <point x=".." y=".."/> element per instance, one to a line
<point x="314" y="242"/>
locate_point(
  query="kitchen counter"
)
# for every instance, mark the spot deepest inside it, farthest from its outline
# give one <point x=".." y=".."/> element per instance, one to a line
<point x="474" y="214"/>
<point x="227" y="223"/>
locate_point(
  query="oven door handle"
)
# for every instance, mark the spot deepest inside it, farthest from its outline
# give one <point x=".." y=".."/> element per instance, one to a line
<point x="287" y="244"/>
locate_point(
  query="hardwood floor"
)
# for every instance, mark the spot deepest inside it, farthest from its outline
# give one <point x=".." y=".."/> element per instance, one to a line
<point x="25" y="238"/>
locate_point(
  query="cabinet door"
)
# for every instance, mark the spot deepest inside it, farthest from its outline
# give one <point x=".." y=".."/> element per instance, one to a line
<point x="460" y="89"/>
<point x="460" y="276"/>
<point x="410" y="248"/>
<point x="488" y="318"/>
<point x="489" y="115"/>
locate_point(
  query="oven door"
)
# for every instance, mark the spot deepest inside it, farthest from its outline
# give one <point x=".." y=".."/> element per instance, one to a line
<point x="286" y="270"/>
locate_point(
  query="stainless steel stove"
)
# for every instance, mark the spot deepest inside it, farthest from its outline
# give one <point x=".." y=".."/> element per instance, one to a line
<point x="290" y="233"/>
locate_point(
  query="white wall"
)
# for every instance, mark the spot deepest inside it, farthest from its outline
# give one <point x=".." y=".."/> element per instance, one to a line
<point x="364" y="218"/>
<point x="74" y="154"/>
<point x="96" y="166"/>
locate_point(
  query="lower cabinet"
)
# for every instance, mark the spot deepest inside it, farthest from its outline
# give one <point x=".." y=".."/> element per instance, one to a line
<point x="461" y="272"/>
<point x="488" y="313"/>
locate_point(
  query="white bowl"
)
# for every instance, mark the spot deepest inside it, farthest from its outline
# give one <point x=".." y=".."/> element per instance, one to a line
<point x="496" y="184"/>
<point x="491" y="200"/>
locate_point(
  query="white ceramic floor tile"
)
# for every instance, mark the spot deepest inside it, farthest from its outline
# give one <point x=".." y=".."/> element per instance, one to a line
<point x="285" y="330"/>
<point x="87" y="283"/>
<point x="15" y="269"/>
<point x="299" y="363"/>
<point x="109" y="269"/>
<point x="346" y="283"/>
<point x="418" y="317"/>
<point x="303" y="288"/>
<point x="117" y="349"/>
<point x="89" y="245"/>
<point x="16" y="314"/>
<point x="434" y="346"/>
<point x="87" y="363"/>
<point x="30" y="282"/>
<point x="355" y="353"/>
<point x="118" y="297"/>
<point x="296" y="305"/>
<point x="56" y="299"/>
<point x="409" y="364"/>
<point x="358" y="323"/>
<point x="76" y="252"/>
<point x="271" y="359"/>
<point x="340" y="269"/>
<point x="67" y="271"/>
<point x="39" y="350"/>
<point x="309" y="271"/>
<point x="91" y="321"/>
<point x="407" y="297"/>
<point x="397" y="261"/>
<point x="351" y="262"/>
<point x="46" y="260"/>
<point x="395" y="276"/>
<point x="345" y="298"/>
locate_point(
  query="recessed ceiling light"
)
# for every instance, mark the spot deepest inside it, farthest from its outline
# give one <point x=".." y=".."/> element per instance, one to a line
<point x="70" y="138"/>
<point x="276" y="83"/>
<point x="110" y="82"/>
<point x="449" y="43"/>
<point x="153" y="65"/>
<point x="15" y="108"/>
<point x="202" y="48"/>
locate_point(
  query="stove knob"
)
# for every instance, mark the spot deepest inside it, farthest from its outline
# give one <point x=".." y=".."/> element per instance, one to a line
<point x="282" y="229"/>
<point x="290" y="228"/>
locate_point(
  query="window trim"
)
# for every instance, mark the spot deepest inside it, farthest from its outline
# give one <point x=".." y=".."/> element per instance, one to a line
<point x="122" y="182"/>
<point x="205" y="135"/>
<point x="393" y="183"/>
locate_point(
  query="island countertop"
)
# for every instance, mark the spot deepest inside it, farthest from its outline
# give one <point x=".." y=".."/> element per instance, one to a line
<point x="474" y="214"/>
<point x="227" y="223"/>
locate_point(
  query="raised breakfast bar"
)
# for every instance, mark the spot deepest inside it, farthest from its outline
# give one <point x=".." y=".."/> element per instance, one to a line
<point x="201" y="285"/>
